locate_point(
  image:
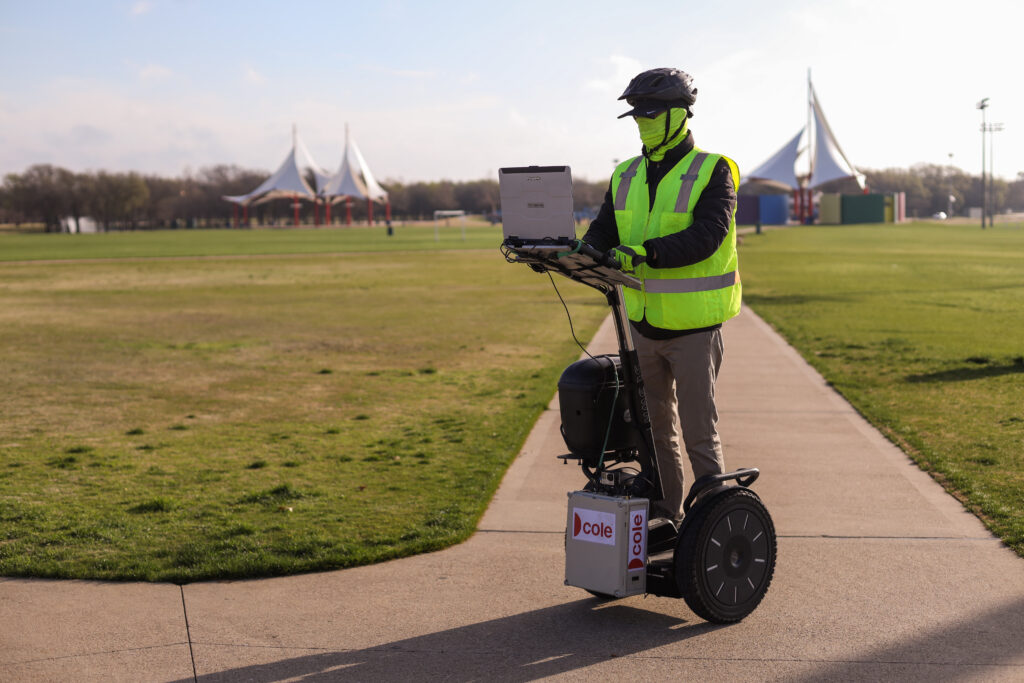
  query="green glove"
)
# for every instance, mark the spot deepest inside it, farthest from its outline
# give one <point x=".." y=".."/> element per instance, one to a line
<point x="628" y="257"/>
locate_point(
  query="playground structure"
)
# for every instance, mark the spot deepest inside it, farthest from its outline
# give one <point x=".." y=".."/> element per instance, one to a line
<point x="353" y="180"/>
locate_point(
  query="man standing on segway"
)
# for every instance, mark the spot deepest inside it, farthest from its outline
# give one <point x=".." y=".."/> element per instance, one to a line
<point x="669" y="218"/>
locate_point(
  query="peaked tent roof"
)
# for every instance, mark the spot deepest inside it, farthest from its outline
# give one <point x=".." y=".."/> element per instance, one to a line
<point x="781" y="168"/>
<point x="812" y="158"/>
<point x="288" y="180"/>
<point x="353" y="178"/>
<point x="830" y="163"/>
<point x="305" y="160"/>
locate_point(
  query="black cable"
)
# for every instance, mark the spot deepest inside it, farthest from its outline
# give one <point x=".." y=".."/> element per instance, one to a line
<point x="569" y="316"/>
<point x="618" y="380"/>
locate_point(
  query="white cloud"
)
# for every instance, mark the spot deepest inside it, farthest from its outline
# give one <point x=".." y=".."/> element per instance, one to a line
<point x="617" y="70"/>
<point x="153" y="72"/>
<point x="516" y="119"/>
<point x="813" y="20"/>
<point x="252" y="76"/>
<point x="894" y="90"/>
<point x="85" y="124"/>
<point x="141" y="7"/>
<point x="417" y="74"/>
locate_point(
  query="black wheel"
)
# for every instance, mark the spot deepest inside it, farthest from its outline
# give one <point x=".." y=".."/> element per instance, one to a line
<point x="726" y="556"/>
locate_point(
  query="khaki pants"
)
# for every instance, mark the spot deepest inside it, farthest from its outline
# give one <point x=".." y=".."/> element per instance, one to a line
<point x="679" y="380"/>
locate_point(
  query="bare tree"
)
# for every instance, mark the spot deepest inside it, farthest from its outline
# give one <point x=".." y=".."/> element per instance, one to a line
<point x="118" y="197"/>
<point x="38" y="194"/>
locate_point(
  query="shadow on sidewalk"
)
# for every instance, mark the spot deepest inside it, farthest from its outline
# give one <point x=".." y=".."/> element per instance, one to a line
<point x="989" y="645"/>
<point x="523" y="647"/>
<point x="565" y="638"/>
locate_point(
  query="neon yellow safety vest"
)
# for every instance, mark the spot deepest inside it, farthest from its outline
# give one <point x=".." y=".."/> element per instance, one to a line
<point x="699" y="295"/>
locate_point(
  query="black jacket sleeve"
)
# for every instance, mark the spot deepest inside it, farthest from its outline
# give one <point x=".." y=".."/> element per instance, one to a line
<point x="711" y="217"/>
<point x="603" y="234"/>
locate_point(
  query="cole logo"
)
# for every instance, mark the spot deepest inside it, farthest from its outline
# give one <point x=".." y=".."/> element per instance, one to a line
<point x="637" y="539"/>
<point x="593" y="526"/>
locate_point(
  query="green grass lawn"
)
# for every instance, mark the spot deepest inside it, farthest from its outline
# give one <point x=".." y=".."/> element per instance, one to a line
<point x="217" y="417"/>
<point x="261" y="241"/>
<point x="921" y="327"/>
<point x="278" y="401"/>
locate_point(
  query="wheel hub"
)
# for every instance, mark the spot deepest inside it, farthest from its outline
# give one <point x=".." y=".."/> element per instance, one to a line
<point x="737" y="556"/>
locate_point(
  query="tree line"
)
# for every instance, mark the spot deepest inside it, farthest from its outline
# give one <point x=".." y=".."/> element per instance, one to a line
<point x="929" y="187"/>
<point x="48" y="194"/>
<point x="51" y="195"/>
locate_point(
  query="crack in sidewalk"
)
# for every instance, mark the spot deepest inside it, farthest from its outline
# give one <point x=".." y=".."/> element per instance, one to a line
<point x="188" y="634"/>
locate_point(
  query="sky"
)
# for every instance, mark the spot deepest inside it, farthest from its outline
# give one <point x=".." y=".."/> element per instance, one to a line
<point x="441" y="89"/>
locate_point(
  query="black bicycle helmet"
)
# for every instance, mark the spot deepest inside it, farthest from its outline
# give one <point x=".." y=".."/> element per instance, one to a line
<point x="656" y="90"/>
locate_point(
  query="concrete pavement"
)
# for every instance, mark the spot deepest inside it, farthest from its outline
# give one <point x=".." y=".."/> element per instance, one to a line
<point x="881" y="575"/>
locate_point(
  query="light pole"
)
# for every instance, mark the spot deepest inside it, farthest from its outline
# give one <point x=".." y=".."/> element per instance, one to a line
<point x="983" y="105"/>
<point x="949" y="214"/>
<point x="990" y="129"/>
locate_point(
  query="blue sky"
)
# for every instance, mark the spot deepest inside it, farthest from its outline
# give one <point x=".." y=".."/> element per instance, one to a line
<point x="456" y="90"/>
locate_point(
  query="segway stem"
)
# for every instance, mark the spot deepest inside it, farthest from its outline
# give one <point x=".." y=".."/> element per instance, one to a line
<point x="634" y="384"/>
<point x="582" y="263"/>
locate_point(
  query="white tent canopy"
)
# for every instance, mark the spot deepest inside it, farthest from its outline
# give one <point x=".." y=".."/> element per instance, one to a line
<point x="781" y="168"/>
<point x="305" y="161"/>
<point x="829" y="161"/>
<point x="810" y="159"/>
<point x="288" y="180"/>
<point x="353" y="178"/>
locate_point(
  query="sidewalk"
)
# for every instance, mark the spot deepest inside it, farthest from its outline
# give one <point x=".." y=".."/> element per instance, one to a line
<point x="881" y="576"/>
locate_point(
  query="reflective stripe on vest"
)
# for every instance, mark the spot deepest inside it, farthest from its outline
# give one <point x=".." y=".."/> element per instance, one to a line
<point x="692" y="284"/>
<point x="627" y="178"/>
<point x="689" y="181"/>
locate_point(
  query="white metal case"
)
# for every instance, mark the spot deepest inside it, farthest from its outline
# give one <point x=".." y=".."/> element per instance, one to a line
<point x="606" y="544"/>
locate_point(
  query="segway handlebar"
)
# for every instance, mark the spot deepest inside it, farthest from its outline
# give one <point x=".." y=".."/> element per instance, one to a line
<point x="577" y="261"/>
<point x="603" y="258"/>
<point x="744" y="477"/>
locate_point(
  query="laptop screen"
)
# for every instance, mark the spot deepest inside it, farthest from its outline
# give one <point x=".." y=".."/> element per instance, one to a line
<point x="536" y="204"/>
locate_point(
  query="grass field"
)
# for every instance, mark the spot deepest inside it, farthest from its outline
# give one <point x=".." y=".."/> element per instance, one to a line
<point x="239" y="414"/>
<point x="279" y="401"/>
<point x="921" y="327"/>
<point x="178" y="243"/>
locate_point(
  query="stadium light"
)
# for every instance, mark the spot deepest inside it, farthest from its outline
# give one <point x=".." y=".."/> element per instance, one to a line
<point x="983" y="105"/>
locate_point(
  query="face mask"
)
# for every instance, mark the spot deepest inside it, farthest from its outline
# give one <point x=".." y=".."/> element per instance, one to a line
<point x="652" y="131"/>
